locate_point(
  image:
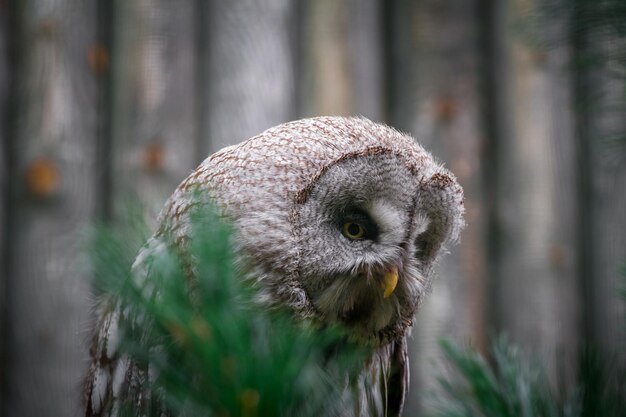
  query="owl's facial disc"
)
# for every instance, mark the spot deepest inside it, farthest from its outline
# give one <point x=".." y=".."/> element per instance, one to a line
<point x="357" y="235"/>
<point x="362" y="292"/>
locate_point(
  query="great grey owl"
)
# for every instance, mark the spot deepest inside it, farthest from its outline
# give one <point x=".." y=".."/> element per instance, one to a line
<point x="339" y="220"/>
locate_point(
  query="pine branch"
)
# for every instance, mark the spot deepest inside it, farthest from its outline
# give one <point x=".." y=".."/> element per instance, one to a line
<point x="212" y="351"/>
<point x="513" y="386"/>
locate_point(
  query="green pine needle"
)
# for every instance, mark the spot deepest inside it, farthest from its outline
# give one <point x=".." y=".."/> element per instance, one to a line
<point x="513" y="386"/>
<point x="509" y="388"/>
<point x="214" y="352"/>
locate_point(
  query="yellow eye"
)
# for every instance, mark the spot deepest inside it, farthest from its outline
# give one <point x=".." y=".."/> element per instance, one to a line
<point x="353" y="230"/>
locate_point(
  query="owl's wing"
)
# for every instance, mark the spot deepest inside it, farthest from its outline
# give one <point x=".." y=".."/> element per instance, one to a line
<point x="115" y="384"/>
<point x="398" y="379"/>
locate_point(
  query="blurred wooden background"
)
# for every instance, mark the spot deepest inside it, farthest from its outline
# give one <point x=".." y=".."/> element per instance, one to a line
<point x="100" y="100"/>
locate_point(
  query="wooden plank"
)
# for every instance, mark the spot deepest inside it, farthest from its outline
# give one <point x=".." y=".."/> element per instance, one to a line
<point x="400" y="61"/>
<point x="535" y="284"/>
<point x="52" y="199"/>
<point x="5" y="29"/>
<point x="444" y="115"/>
<point x="343" y="59"/>
<point x="364" y="25"/>
<point x="327" y="88"/>
<point x="249" y="84"/>
<point x="605" y="141"/>
<point x="153" y="120"/>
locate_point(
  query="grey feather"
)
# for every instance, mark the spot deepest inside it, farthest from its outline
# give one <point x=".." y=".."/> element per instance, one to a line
<point x="288" y="192"/>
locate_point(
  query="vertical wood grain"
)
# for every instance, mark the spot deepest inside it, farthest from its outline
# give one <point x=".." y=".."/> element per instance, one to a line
<point x="536" y="286"/>
<point x="400" y="61"/>
<point x="343" y="67"/>
<point x="364" y="26"/>
<point x="153" y="121"/>
<point x="249" y="83"/>
<point x="53" y="198"/>
<point x="604" y="139"/>
<point x="329" y="85"/>
<point x="5" y="29"/>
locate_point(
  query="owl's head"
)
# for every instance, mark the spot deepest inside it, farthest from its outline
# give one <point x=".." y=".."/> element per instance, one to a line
<point x="340" y="219"/>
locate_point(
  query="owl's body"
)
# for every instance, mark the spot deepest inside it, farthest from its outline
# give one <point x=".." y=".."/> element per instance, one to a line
<point x="337" y="219"/>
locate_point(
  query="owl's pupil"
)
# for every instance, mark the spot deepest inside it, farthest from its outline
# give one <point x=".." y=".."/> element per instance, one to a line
<point x="354" y="229"/>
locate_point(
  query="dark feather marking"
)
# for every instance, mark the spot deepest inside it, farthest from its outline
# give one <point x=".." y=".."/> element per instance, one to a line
<point x="398" y="382"/>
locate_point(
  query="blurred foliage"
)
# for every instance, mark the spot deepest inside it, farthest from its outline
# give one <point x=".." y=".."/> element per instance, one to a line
<point x="212" y="351"/>
<point x="513" y="386"/>
<point x="548" y="23"/>
<point x="595" y="32"/>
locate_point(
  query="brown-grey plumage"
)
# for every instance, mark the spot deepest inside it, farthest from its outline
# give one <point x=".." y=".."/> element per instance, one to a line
<point x="292" y="193"/>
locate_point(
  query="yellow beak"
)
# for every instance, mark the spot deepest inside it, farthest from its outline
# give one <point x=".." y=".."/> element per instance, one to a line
<point x="389" y="282"/>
